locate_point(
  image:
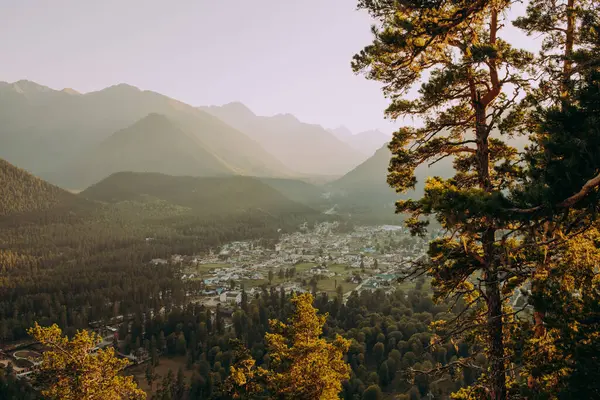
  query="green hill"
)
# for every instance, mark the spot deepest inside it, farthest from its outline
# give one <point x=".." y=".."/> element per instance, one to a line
<point x="22" y="193"/>
<point x="212" y="196"/>
<point x="153" y="144"/>
<point x="44" y="130"/>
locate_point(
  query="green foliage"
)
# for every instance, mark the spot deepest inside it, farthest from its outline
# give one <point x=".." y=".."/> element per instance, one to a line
<point x="301" y="363"/>
<point x="458" y="47"/>
<point x="74" y="265"/>
<point x="23" y="193"/>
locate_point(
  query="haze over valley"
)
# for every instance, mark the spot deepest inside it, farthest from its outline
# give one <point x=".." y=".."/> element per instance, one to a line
<point x="315" y="200"/>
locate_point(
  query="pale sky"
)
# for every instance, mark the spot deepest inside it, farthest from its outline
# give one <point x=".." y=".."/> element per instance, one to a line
<point x="276" y="56"/>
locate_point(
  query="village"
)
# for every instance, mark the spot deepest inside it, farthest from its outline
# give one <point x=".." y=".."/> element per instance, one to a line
<point x="325" y="258"/>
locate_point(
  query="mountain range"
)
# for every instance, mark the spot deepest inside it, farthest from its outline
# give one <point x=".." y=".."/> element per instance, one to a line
<point x="305" y="148"/>
<point x="206" y="196"/>
<point x="46" y="131"/>
<point x="29" y="198"/>
<point x="73" y="139"/>
<point x="76" y="140"/>
<point x="152" y="144"/>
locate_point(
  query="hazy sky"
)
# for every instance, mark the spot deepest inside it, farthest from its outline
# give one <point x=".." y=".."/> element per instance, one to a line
<point x="276" y="56"/>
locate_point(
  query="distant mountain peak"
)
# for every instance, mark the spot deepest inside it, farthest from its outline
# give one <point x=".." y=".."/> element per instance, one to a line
<point x="239" y="108"/>
<point x="122" y="87"/>
<point x="287" y="117"/>
<point x="24" y="86"/>
<point x="341" y="132"/>
<point x="70" y="91"/>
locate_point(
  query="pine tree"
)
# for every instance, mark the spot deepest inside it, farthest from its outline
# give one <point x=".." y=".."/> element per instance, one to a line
<point x="150" y="375"/>
<point x="559" y="195"/>
<point x="69" y="370"/>
<point x="465" y="97"/>
<point x="302" y="365"/>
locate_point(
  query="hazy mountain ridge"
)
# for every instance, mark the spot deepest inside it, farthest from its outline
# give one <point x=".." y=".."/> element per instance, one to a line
<point x="152" y="144"/>
<point x="368" y="142"/>
<point x="43" y="129"/>
<point x="304" y="148"/>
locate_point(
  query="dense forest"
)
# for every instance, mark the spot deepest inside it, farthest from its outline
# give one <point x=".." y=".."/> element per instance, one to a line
<point x="79" y="258"/>
<point x="506" y="305"/>
<point x="389" y="335"/>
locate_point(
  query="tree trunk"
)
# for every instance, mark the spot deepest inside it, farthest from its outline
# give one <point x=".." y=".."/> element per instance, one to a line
<point x="495" y="334"/>
<point x="569" y="45"/>
<point x="492" y="286"/>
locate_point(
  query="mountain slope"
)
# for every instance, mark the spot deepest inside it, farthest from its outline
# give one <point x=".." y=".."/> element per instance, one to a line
<point x="304" y="148"/>
<point x="43" y="129"/>
<point x="22" y="193"/>
<point x="368" y="175"/>
<point x="299" y="191"/>
<point x="202" y="196"/>
<point x="367" y="183"/>
<point x="153" y="144"/>
<point x="368" y="142"/>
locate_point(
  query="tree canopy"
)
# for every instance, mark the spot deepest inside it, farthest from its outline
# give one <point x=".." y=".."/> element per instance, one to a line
<point x="73" y="369"/>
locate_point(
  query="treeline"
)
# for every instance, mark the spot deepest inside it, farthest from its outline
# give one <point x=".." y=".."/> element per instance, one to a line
<point x="389" y="335"/>
<point x="85" y="269"/>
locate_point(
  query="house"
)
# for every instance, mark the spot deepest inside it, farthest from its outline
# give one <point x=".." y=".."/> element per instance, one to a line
<point x="233" y="297"/>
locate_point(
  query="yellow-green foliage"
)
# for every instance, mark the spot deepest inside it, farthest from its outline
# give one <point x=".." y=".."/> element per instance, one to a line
<point x="302" y="364"/>
<point x="70" y="371"/>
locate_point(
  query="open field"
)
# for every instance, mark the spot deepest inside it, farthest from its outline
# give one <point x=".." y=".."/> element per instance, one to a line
<point x="304" y="267"/>
<point x="161" y="370"/>
<point x="329" y="285"/>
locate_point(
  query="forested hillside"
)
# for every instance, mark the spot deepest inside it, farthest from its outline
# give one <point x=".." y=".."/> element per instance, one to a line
<point x="73" y="266"/>
<point x="23" y="193"/>
<point x="389" y="334"/>
<point x="300" y="191"/>
<point x="201" y="196"/>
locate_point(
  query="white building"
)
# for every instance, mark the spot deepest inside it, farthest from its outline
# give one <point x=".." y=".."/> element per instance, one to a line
<point x="233" y="297"/>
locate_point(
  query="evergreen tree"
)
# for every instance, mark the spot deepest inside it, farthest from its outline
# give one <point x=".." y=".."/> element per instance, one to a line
<point x="150" y="375"/>
<point x="302" y="365"/>
<point x="373" y="392"/>
<point x="465" y="97"/>
<point x="70" y="371"/>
